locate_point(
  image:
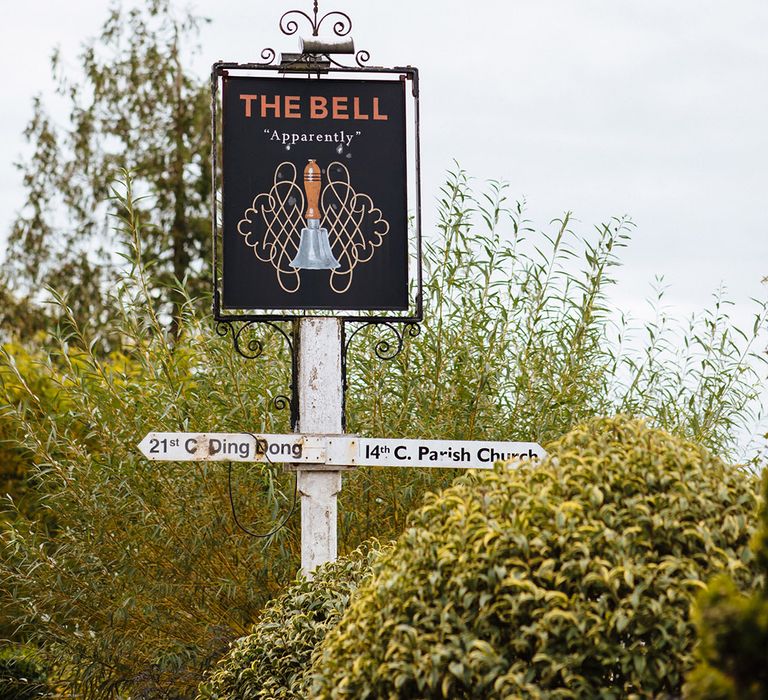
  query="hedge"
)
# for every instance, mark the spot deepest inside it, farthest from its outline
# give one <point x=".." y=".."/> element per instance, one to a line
<point x="273" y="662"/>
<point x="733" y="632"/>
<point x="570" y="579"/>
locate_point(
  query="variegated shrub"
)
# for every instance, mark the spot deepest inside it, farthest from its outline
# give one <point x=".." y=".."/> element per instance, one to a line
<point x="571" y="579"/>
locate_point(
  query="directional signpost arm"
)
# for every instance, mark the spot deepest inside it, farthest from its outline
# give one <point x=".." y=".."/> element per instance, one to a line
<point x="334" y="452"/>
<point x="321" y="453"/>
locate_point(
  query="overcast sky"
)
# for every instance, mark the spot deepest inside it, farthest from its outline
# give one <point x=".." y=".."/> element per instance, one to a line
<point x="654" y="109"/>
<point x="650" y="108"/>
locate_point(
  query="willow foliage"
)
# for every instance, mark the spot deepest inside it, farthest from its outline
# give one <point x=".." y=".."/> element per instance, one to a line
<point x="135" y="578"/>
<point x="520" y="340"/>
<point x="273" y="662"/>
<point x="134" y="105"/>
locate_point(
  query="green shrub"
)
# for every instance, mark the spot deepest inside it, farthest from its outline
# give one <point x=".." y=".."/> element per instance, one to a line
<point x="22" y="675"/>
<point x="733" y="633"/>
<point x="273" y="662"/>
<point x="19" y="487"/>
<point x="131" y="576"/>
<point x="572" y="579"/>
<point x="520" y="340"/>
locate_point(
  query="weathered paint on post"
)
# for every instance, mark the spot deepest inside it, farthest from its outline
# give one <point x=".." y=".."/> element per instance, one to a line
<point x="320" y="411"/>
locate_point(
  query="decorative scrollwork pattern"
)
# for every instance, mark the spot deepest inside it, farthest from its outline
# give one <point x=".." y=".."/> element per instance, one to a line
<point x="281" y="402"/>
<point x="387" y="348"/>
<point x="362" y="57"/>
<point x="272" y="225"/>
<point x="289" y="25"/>
<point x="340" y="24"/>
<point x="252" y="347"/>
<point x="356" y="227"/>
<point x="268" y="56"/>
<point x="249" y="347"/>
<point x="281" y="212"/>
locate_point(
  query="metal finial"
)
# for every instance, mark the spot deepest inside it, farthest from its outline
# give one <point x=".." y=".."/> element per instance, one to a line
<point x="315" y="52"/>
<point x="342" y="24"/>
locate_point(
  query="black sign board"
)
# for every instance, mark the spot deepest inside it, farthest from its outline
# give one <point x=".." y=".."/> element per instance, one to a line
<point x="315" y="205"/>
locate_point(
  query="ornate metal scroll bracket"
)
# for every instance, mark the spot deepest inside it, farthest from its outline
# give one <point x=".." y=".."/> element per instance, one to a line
<point x="386" y="348"/>
<point x="315" y="55"/>
<point x="251" y="345"/>
<point x="341" y="27"/>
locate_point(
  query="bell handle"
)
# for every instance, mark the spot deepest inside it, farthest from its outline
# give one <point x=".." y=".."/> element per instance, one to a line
<point x="312" y="178"/>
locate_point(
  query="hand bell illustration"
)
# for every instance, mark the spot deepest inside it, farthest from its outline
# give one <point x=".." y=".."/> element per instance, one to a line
<point x="314" y="248"/>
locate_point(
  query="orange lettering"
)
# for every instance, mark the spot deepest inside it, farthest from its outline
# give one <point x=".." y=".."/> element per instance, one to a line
<point x="376" y="114"/>
<point x="358" y="113"/>
<point x="318" y="107"/>
<point x="292" y="107"/>
<point x="274" y="105"/>
<point x="248" y="99"/>
<point x="340" y="108"/>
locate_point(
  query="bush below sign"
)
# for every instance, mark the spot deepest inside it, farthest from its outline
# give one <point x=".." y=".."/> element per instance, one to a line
<point x="571" y="579"/>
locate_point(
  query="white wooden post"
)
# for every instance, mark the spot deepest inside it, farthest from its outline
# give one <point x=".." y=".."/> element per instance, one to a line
<point x="320" y="411"/>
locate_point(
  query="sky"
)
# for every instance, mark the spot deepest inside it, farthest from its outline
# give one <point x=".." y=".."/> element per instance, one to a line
<point x="654" y="109"/>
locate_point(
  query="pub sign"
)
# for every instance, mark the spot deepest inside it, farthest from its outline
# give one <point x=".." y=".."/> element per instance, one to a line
<point x="315" y="194"/>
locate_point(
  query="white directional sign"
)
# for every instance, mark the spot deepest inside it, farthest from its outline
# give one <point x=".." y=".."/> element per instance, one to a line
<point x="335" y="450"/>
<point x="477" y="454"/>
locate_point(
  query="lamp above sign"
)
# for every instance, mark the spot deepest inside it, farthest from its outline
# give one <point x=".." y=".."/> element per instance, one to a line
<point x="318" y="179"/>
